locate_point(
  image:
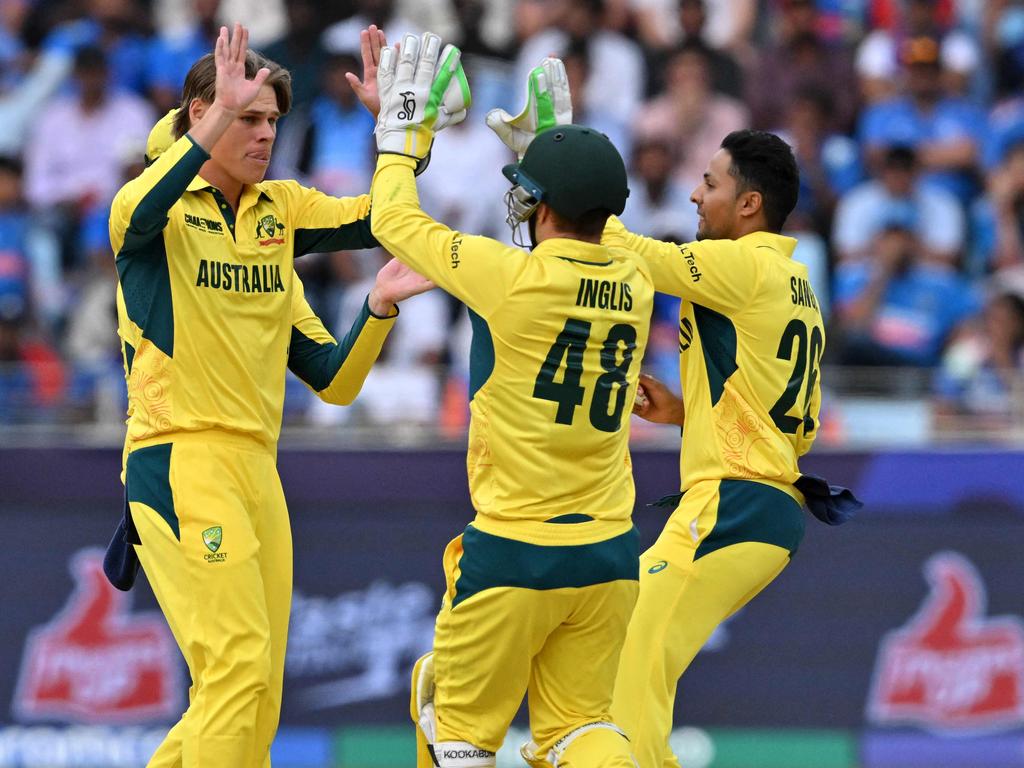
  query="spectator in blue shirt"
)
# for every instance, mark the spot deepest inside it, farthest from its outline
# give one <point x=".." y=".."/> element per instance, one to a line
<point x="947" y="132"/>
<point x="864" y="213"/>
<point x="998" y="218"/>
<point x="900" y="305"/>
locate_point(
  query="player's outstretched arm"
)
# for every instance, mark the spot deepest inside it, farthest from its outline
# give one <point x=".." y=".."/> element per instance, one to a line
<point x="657" y="403"/>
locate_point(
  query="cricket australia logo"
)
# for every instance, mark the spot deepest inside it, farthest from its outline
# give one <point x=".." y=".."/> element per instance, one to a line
<point x="408" y="105"/>
<point x="269" y="228"/>
<point x="951" y="667"/>
<point x="212" y="538"/>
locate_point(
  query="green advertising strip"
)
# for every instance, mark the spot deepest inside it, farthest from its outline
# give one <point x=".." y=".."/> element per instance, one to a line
<point x="783" y="749"/>
<point x="375" y="747"/>
<point x="395" y="747"/>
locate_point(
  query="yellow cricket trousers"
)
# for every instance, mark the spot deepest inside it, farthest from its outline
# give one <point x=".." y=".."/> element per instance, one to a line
<point x="217" y="551"/>
<point x="549" y="621"/>
<point x="725" y="542"/>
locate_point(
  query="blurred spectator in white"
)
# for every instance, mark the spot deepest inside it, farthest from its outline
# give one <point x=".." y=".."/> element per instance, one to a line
<point x="696" y="118"/>
<point x="863" y="214"/>
<point x="74" y="155"/>
<point x="829" y="161"/>
<point x="173" y="53"/>
<point x="897" y="296"/>
<point x="593" y="113"/>
<point x="329" y="143"/>
<point x="30" y="270"/>
<point x="403" y="387"/>
<point x="799" y="57"/>
<point x="265" y="19"/>
<point x="474" y="155"/>
<point x="658" y="205"/>
<point x="947" y="132"/>
<point x="118" y="28"/>
<point x="484" y="27"/>
<point x="662" y="30"/>
<point x="389" y="15"/>
<point x="982" y="373"/>
<point x="26" y="83"/>
<point x="878" y="60"/>
<point x="615" y="82"/>
<point x="998" y="217"/>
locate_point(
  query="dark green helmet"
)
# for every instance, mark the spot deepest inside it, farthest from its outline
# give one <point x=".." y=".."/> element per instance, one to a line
<point x="572" y="168"/>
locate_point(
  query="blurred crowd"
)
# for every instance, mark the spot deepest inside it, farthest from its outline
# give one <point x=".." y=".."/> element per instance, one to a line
<point x="906" y="117"/>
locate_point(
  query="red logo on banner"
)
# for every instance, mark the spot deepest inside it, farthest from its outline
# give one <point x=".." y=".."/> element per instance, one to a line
<point x="97" y="662"/>
<point x="950" y="667"/>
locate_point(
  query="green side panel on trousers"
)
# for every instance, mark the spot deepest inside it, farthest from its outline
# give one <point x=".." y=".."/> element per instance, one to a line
<point x="750" y="511"/>
<point x="493" y="561"/>
<point x="148" y="481"/>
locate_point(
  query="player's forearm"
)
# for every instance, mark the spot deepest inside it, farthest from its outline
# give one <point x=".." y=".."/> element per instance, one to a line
<point x="208" y="129"/>
<point x="398" y="222"/>
<point x="364" y="343"/>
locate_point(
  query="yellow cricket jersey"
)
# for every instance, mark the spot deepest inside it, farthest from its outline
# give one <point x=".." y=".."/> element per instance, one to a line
<point x="750" y="341"/>
<point x="210" y="310"/>
<point x="558" y="336"/>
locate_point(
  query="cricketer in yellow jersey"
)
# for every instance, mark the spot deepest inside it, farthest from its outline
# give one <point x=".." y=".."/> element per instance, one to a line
<point x="542" y="582"/>
<point x="751" y="338"/>
<point x="211" y="314"/>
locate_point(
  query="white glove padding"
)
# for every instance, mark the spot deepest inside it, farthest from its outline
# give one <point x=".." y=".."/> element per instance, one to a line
<point x="418" y="96"/>
<point x="423" y="696"/>
<point x="548" y="103"/>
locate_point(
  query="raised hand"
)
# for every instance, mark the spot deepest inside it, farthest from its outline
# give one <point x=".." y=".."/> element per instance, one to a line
<point x="548" y="103"/>
<point x="395" y="282"/>
<point x="233" y="91"/>
<point x="371" y="42"/>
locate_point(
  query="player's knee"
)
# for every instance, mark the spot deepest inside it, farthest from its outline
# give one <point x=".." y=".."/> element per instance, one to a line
<point x="594" y="745"/>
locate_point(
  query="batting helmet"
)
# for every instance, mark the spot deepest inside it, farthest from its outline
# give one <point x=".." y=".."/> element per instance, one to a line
<point x="571" y="168"/>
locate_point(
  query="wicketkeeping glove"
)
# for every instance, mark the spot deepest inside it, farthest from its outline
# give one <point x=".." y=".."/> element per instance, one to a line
<point x="548" y="103"/>
<point x="419" y="96"/>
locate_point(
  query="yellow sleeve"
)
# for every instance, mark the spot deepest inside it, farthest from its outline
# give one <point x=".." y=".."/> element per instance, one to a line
<point x="476" y="270"/>
<point x="139" y="211"/>
<point x="324" y="223"/>
<point x="716" y="274"/>
<point x="335" y="371"/>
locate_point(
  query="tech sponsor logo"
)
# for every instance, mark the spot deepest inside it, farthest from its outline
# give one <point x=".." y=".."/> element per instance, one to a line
<point x="951" y="668"/>
<point x="691" y="262"/>
<point x="358" y="646"/>
<point x="96" y="662"/>
<point x="78" y="746"/>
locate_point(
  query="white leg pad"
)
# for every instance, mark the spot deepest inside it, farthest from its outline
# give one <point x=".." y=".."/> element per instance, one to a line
<point x="560" y="746"/>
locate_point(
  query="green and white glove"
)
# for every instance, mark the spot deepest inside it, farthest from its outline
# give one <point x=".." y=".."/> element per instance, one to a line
<point x="419" y="96"/>
<point x="548" y="103"/>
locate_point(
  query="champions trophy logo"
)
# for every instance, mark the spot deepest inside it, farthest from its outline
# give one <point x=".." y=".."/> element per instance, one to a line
<point x="96" y="662"/>
<point x="950" y="667"/>
<point x="408" y="105"/>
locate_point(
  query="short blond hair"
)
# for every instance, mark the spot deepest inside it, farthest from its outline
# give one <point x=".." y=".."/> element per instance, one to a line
<point x="201" y="83"/>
